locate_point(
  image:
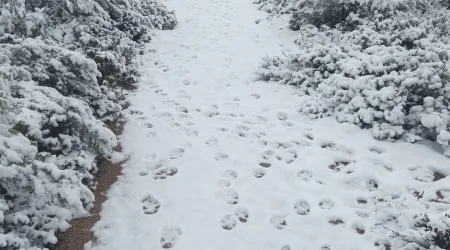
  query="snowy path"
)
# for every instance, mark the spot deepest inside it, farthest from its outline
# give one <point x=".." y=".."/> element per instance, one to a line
<point x="218" y="161"/>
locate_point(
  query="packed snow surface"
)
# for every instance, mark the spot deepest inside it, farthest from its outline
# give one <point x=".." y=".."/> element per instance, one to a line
<point x="218" y="160"/>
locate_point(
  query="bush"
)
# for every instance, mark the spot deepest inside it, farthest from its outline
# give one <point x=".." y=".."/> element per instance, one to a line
<point x="432" y="232"/>
<point x="63" y="66"/>
<point x="334" y="13"/>
<point x="107" y="31"/>
<point x="389" y="72"/>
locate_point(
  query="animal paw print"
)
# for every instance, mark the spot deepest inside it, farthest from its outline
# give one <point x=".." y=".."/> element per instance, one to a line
<point x="221" y="156"/>
<point x="241" y="214"/>
<point x="150" y="205"/>
<point x="336" y="221"/>
<point x="259" y="173"/>
<point x="265" y="164"/>
<point x="372" y="185"/>
<point x="286" y="247"/>
<point x="176" y="153"/>
<point x="224" y="183"/>
<point x="161" y="171"/>
<point x="309" y="136"/>
<point x="212" y="141"/>
<point x="230" y="174"/>
<point x="170" y="236"/>
<point x="231" y="196"/>
<point x="304" y="175"/>
<point x="278" y="221"/>
<point x="329" y="145"/>
<point x="359" y="228"/>
<point x="326" y="204"/>
<point x="162" y="174"/>
<point x="266" y="155"/>
<point x="337" y="166"/>
<point x="191" y="131"/>
<point x="376" y="150"/>
<point x="182" y="109"/>
<point x="228" y="222"/>
<point x="282" y="116"/>
<point x="302" y="207"/>
<point x="135" y="112"/>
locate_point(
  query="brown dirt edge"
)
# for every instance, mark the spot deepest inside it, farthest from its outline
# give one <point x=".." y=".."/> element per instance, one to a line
<point x="80" y="232"/>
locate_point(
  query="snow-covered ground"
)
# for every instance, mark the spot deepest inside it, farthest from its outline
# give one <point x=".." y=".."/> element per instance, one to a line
<point x="218" y="160"/>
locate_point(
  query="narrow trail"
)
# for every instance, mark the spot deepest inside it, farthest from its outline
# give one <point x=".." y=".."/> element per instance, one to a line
<point x="218" y="160"/>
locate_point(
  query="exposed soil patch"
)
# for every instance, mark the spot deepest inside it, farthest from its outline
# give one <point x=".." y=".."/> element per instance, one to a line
<point x="80" y="232"/>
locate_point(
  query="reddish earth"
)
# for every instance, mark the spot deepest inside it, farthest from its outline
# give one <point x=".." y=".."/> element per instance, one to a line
<point x="80" y="232"/>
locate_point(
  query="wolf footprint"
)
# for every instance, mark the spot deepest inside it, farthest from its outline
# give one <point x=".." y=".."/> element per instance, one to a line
<point x="336" y="221"/>
<point x="265" y="164"/>
<point x="176" y="153"/>
<point x="326" y="204"/>
<point x="231" y="196"/>
<point x="286" y="247"/>
<point x="221" y="156"/>
<point x="282" y="116"/>
<point x="242" y="214"/>
<point x="376" y="150"/>
<point x="161" y="171"/>
<point x="230" y="174"/>
<point x="228" y="222"/>
<point x="169" y="236"/>
<point x="212" y="141"/>
<point x="302" y="207"/>
<point x="224" y="183"/>
<point x="162" y="174"/>
<point x="278" y="221"/>
<point x="259" y="173"/>
<point x="304" y="175"/>
<point x="150" y="205"/>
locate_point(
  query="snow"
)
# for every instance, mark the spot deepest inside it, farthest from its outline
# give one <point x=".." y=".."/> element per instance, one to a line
<point x="218" y="160"/>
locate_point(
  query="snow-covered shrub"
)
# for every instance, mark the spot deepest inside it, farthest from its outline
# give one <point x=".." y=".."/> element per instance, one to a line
<point x="333" y="12"/>
<point x="62" y="65"/>
<point x="389" y="72"/>
<point x="336" y="12"/>
<point x="432" y="232"/>
<point x="107" y="31"/>
<point x="277" y="7"/>
<point x="50" y="139"/>
<point x="69" y="72"/>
